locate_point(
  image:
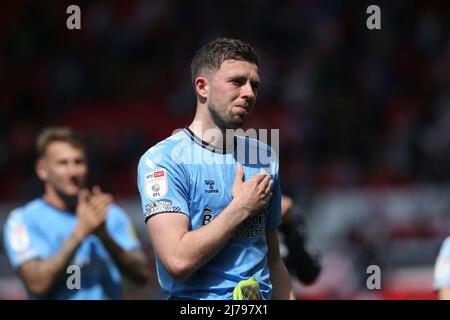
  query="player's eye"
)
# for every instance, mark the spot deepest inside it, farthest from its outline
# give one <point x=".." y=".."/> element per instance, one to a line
<point x="62" y="162"/>
<point x="79" y="161"/>
<point x="255" y="86"/>
<point x="237" y="82"/>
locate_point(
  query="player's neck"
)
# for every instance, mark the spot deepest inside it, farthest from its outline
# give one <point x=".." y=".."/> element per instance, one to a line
<point x="54" y="199"/>
<point x="208" y="131"/>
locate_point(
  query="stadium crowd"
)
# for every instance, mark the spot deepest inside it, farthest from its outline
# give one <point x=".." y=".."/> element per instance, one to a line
<point x="355" y="107"/>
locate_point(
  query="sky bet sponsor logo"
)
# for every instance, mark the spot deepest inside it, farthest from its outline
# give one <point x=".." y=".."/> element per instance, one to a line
<point x="158" y="174"/>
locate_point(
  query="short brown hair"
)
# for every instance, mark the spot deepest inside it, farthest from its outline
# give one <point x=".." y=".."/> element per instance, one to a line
<point x="52" y="134"/>
<point x="212" y="55"/>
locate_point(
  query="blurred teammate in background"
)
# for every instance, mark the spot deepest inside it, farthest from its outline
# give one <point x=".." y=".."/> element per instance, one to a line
<point x="442" y="271"/>
<point x="71" y="225"/>
<point x="299" y="257"/>
<point x="213" y="222"/>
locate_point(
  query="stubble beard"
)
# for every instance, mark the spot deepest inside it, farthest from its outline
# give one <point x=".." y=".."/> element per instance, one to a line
<point x="70" y="200"/>
<point x="220" y="119"/>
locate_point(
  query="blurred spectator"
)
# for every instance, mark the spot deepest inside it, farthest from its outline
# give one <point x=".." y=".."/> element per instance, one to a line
<point x="356" y="108"/>
<point x="301" y="259"/>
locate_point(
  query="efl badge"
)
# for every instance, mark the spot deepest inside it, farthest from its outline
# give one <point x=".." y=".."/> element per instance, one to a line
<point x="442" y="268"/>
<point x="19" y="238"/>
<point x="156" y="184"/>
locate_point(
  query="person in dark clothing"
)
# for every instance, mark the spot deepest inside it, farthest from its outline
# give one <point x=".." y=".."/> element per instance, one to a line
<point x="301" y="259"/>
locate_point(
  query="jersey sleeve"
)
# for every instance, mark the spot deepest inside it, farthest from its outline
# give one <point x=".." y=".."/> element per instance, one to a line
<point x="120" y="229"/>
<point x="274" y="208"/>
<point x="163" y="185"/>
<point x="442" y="267"/>
<point x="23" y="241"/>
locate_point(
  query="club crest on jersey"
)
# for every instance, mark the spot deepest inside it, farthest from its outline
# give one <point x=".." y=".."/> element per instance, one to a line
<point x="156" y="184"/>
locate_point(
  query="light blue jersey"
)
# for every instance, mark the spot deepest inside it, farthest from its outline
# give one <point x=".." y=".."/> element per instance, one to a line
<point x="185" y="175"/>
<point x="442" y="267"/>
<point x="38" y="230"/>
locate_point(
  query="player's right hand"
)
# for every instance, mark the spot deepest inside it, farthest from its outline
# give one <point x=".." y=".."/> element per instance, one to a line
<point x="254" y="194"/>
<point x="92" y="210"/>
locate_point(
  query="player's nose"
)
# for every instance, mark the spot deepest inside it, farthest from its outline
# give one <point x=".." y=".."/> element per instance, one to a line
<point x="75" y="169"/>
<point x="247" y="91"/>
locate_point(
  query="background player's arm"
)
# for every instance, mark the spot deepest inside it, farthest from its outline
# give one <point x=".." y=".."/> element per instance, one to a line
<point x="131" y="263"/>
<point x="41" y="275"/>
<point x="279" y="276"/>
<point x="182" y="251"/>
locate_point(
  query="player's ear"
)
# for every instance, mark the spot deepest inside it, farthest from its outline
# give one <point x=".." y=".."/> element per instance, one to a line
<point x="202" y="86"/>
<point x="41" y="169"/>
